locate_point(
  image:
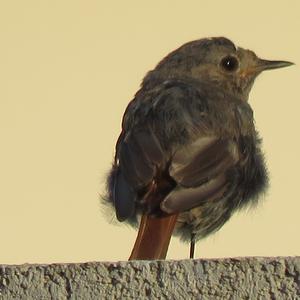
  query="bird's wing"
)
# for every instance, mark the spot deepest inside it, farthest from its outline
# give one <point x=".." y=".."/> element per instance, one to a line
<point x="166" y="130"/>
<point x="139" y="156"/>
<point x="224" y="167"/>
<point x="201" y="172"/>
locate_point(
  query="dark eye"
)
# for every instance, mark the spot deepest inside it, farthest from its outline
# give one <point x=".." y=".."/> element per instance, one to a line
<point x="230" y="63"/>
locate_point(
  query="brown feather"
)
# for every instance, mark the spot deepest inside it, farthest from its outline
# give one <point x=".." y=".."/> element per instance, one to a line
<point x="153" y="238"/>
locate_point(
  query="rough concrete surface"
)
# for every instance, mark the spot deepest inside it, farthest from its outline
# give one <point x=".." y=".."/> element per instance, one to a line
<point x="232" y="278"/>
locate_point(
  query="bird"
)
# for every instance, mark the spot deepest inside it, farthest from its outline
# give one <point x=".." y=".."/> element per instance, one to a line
<point x="188" y="155"/>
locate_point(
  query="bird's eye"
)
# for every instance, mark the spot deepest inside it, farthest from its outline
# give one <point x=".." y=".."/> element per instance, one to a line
<point x="230" y="63"/>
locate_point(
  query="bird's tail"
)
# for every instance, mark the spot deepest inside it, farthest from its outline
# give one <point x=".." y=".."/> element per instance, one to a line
<point x="153" y="238"/>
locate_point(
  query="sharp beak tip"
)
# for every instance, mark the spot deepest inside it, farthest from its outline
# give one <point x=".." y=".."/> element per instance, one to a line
<point x="286" y="64"/>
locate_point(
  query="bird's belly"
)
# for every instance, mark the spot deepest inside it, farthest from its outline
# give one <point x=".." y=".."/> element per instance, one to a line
<point x="202" y="220"/>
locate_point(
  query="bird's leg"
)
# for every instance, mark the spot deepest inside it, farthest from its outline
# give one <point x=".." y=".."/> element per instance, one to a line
<point x="192" y="246"/>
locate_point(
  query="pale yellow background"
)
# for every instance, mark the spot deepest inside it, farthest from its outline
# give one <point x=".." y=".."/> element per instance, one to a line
<point x="68" y="70"/>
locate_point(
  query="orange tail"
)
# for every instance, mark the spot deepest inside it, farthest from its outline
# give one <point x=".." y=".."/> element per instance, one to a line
<point x="153" y="238"/>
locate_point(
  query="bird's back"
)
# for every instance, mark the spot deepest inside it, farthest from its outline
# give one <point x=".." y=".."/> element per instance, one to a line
<point x="188" y="148"/>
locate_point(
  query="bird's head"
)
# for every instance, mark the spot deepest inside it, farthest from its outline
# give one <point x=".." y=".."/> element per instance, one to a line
<point x="219" y="62"/>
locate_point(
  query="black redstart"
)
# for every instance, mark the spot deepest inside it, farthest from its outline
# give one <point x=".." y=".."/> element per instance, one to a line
<point x="189" y="155"/>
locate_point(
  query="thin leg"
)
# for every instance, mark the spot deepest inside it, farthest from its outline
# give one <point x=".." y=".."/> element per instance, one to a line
<point x="192" y="248"/>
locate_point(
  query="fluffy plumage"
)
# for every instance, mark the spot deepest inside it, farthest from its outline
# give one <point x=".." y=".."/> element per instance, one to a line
<point x="188" y="144"/>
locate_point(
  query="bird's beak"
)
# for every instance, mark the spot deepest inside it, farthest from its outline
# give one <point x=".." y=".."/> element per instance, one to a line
<point x="261" y="65"/>
<point x="264" y="64"/>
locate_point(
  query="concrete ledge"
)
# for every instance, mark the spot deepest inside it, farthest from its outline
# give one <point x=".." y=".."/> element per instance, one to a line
<point x="235" y="278"/>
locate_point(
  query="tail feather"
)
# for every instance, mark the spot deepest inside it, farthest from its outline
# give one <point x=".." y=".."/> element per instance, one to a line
<point x="153" y="238"/>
